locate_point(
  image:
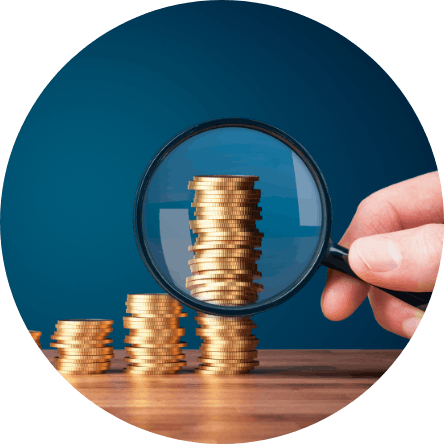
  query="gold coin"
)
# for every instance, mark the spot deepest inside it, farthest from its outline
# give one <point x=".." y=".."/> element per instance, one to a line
<point x="224" y="193"/>
<point x="82" y="372"/>
<point x="224" y="321"/>
<point x="209" y="243"/>
<point x="209" y="184"/>
<point x="215" y="274"/>
<point x="238" y="251"/>
<point x="154" y="331"/>
<point x="159" y="365"/>
<point x="79" y="346"/>
<point x="157" y="296"/>
<point x="221" y="278"/>
<point x="160" y="320"/>
<point x="157" y="312"/>
<point x="70" y="337"/>
<point x="226" y="361"/>
<point x="247" y="290"/>
<point x="130" y="370"/>
<point x="35" y="334"/>
<point x="249" y="234"/>
<point x="204" y="371"/>
<point x="163" y="345"/>
<point x="225" y="178"/>
<point x="221" y="328"/>
<point x="153" y="351"/>
<point x="226" y="230"/>
<point x="81" y="359"/>
<point x="82" y="331"/>
<point x="158" y="332"/>
<point x="245" y="262"/>
<point x="150" y="325"/>
<point x="231" y="210"/>
<point x="229" y="302"/>
<point x="84" y="322"/>
<point x="196" y="284"/>
<point x="228" y="202"/>
<point x="227" y="187"/>
<point x="86" y="351"/>
<point x="148" y="315"/>
<point x="151" y="341"/>
<point x="228" y="347"/>
<point x="223" y="333"/>
<point x="200" y="186"/>
<point x="231" y="285"/>
<point x="204" y="242"/>
<point x="224" y="295"/>
<point x="171" y="309"/>
<point x="141" y="319"/>
<point x="81" y="366"/>
<point x="240" y="224"/>
<point x="237" y="340"/>
<point x="83" y="342"/>
<point x="151" y="359"/>
<point x="205" y="267"/>
<point x="230" y="355"/>
<point x="225" y="206"/>
<point x="208" y="246"/>
<point x="248" y="253"/>
<point x="227" y="219"/>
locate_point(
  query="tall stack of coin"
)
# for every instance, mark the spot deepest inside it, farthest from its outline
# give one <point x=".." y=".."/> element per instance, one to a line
<point x="154" y="334"/>
<point x="36" y="336"/>
<point x="83" y="346"/>
<point x="224" y="268"/>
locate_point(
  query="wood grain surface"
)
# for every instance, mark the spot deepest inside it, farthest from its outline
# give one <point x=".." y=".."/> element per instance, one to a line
<point x="290" y="390"/>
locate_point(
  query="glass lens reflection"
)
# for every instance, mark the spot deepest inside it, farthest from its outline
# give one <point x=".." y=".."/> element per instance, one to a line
<point x="290" y="201"/>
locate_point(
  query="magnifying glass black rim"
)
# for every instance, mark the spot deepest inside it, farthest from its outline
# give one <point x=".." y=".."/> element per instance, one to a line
<point x="257" y="307"/>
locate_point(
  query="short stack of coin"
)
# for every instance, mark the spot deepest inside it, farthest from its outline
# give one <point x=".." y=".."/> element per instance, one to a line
<point x="83" y="346"/>
<point x="154" y="335"/>
<point x="224" y="267"/>
<point x="36" y="336"/>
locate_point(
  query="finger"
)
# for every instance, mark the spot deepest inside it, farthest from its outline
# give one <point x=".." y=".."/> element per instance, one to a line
<point x="408" y="204"/>
<point x="393" y="314"/>
<point x="405" y="205"/>
<point x="342" y="295"/>
<point x="406" y="260"/>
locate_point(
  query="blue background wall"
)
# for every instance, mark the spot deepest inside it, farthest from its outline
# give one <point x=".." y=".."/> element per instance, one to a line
<point x="67" y="233"/>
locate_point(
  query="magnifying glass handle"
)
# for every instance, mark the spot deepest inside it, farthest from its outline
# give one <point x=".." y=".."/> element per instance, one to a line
<point x="337" y="259"/>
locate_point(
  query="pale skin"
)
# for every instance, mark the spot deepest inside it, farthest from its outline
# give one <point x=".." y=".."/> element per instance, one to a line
<point x="395" y="241"/>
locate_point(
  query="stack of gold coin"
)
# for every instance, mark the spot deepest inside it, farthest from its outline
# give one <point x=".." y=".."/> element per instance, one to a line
<point x="36" y="336"/>
<point x="224" y="268"/>
<point x="154" y="334"/>
<point x="83" y="346"/>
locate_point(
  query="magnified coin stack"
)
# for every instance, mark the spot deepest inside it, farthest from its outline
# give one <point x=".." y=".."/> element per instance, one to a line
<point x="154" y="334"/>
<point x="36" y="336"/>
<point x="83" y="346"/>
<point x="224" y="268"/>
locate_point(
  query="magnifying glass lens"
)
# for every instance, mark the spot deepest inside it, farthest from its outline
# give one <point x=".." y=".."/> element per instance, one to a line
<point x="285" y="237"/>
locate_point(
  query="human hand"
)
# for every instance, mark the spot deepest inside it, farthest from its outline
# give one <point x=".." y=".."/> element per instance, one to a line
<point x="395" y="241"/>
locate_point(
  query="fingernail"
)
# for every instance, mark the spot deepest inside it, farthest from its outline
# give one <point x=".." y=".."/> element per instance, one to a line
<point x="379" y="254"/>
<point x="410" y="325"/>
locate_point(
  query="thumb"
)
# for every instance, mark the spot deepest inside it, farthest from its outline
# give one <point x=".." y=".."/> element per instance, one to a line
<point x="405" y="260"/>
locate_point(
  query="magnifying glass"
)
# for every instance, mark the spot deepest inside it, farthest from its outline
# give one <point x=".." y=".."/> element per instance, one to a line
<point x="295" y="208"/>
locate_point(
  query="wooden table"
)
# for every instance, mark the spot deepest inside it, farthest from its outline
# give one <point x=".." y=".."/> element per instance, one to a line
<point x="290" y="390"/>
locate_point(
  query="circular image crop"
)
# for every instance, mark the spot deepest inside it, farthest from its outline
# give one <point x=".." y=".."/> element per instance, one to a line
<point x="234" y="216"/>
